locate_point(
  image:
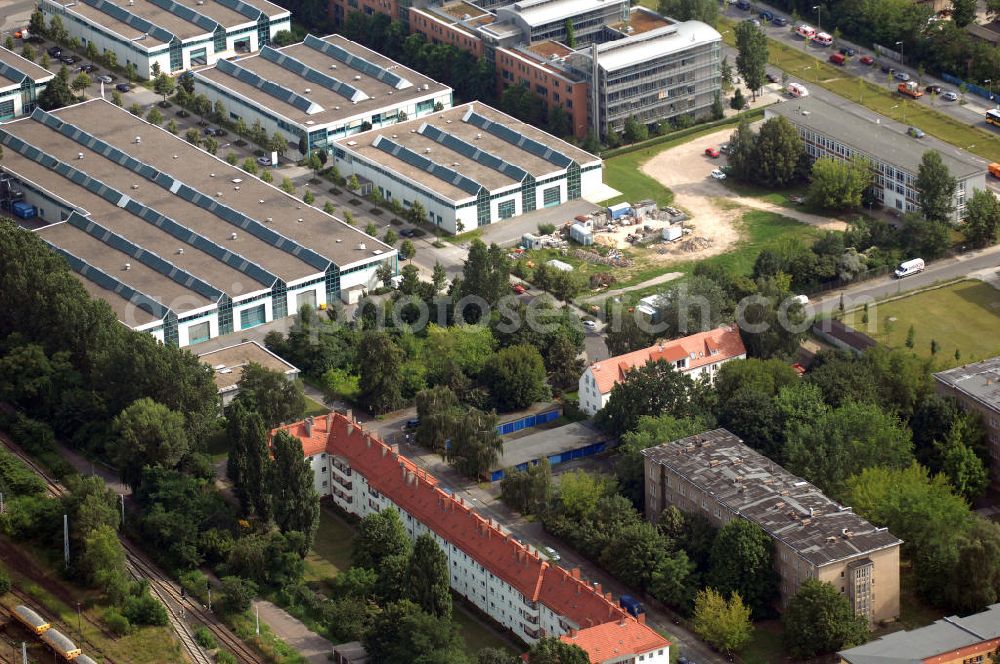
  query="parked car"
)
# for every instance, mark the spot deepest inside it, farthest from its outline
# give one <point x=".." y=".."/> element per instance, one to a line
<point x="849" y="52"/>
<point x="518" y="288"/>
<point x="54" y="52"/>
<point x="90" y="69"/>
<point x="411" y="423"/>
<point x="773" y="78"/>
<point x="123" y="87"/>
<point x="933" y="89"/>
<point x="887" y="69"/>
<point x="766" y="16"/>
<point x="712" y="152"/>
<point x="743" y="4"/>
<point x="551" y="553"/>
<point x="69" y="59"/>
<point x="779" y="21"/>
<point x="866" y="60"/>
<point x="718" y="174"/>
<point x="901" y="76"/>
<point x="590" y="325"/>
<point x="949" y="96"/>
<point x="915" y="133"/>
<point x="724" y="148"/>
<point x="209" y="131"/>
<point x="906" y="268"/>
<point x="406" y="232"/>
<point x="264" y="161"/>
<point x="104" y="78"/>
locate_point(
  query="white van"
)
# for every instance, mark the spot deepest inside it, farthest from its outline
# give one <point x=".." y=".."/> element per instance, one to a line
<point x="823" y="39"/>
<point x="797" y="90"/>
<point x="906" y="268"/>
<point x="806" y="31"/>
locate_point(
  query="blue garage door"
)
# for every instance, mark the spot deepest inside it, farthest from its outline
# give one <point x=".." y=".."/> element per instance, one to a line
<point x="252" y="317"/>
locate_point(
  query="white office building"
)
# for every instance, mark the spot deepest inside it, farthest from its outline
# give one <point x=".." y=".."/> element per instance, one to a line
<point x="178" y="242"/>
<point x="470" y="166"/>
<point x="175" y="34"/>
<point x="323" y="89"/>
<point x="21" y="81"/>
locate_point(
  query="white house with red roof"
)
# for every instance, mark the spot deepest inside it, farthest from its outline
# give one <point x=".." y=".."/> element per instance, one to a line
<point x="699" y="355"/>
<point x="502" y="577"/>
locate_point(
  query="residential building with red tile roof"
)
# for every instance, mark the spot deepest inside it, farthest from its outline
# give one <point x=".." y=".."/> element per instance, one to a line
<point x="620" y="641"/>
<point x="502" y="577"/>
<point x="697" y="355"/>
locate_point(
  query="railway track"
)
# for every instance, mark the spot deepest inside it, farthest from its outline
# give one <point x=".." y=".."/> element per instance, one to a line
<point x="140" y="567"/>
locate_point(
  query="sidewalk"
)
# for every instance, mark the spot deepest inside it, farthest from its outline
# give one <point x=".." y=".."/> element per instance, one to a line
<point x="289" y="629"/>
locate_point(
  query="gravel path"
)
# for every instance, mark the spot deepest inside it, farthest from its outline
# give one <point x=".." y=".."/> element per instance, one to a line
<point x="310" y="645"/>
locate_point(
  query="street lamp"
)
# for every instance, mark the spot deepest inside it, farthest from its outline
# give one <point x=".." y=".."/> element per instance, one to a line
<point x="989" y="81"/>
<point x="901" y="58"/>
<point x="819" y="16"/>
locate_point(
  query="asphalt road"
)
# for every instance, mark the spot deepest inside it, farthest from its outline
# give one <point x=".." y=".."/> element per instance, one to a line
<point x="969" y="114"/>
<point x="942" y="270"/>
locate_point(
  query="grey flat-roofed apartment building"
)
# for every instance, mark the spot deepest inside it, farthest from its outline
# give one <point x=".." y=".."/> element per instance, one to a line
<point x="714" y="474"/>
<point x="895" y="156"/>
<point x="175" y="34"/>
<point x="653" y="76"/>
<point x="322" y="88"/>
<point x="21" y="81"/>
<point x="178" y="242"/>
<point x="977" y="388"/>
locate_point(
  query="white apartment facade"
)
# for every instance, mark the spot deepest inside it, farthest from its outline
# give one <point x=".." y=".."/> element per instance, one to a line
<point x="698" y="356"/>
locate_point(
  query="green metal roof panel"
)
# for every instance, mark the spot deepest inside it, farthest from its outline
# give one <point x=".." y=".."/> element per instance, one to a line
<point x="518" y="139"/>
<point x="304" y="104"/>
<point x="444" y="173"/>
<point x="146" y="257"/>
<point x="312" y="75"/>
<point x="131" y="20"/>
<point x="469" y="150"/>
<point x="357" y="62"/>
<point x="188" y="14"/>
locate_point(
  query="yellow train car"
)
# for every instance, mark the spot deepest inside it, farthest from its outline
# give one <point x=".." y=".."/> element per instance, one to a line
<point x="61" y="644"/>
<point x="30" y="619"/>
<point x="83" y="659"/>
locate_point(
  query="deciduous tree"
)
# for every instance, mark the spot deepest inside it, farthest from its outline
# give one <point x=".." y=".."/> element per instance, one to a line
<point x="515" y="377"/>
<point x="148" y="434"/>
<point x="404" y="634"/>
<point x="295" y="501"/>
<point x="651" y="389"/>
<point x="779" y="150"/>
<point x="838" y="185"/>
<point x="381" y="364"/>
<point x="742" y="561"/>
<point x="982" y="218"/>
<point x="820" y="620"/>
<point x="380" y="535"/>
<point x="528" y="491"/>
<point x="550" y="650"/>
<point x="271" y="394"/>
<point x="475" y="446"/>
<point x="725" y="625"/>
<point x="429" y="578"/>
<point x="751" y="56"/>
<point x="935" y="188"/>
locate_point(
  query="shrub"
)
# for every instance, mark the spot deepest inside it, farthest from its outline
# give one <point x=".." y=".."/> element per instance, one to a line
<point x="4" y="581"/>
<point x="195" y="583"/>
<point x="546" y="229"/>
<point x="237" y="594"/>
<point x="205" y="638"/>
<point x="117" y="623"/>
<point x="225" y="657"/>
<point x="145" y="609"/>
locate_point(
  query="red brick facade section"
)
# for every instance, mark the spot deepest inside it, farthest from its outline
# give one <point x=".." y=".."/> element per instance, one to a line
<point x="513" y="68"/>
<point x="438" y="31"/>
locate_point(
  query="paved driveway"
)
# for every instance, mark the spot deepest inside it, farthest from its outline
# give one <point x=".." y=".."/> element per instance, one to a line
<point x="289" y="629"/>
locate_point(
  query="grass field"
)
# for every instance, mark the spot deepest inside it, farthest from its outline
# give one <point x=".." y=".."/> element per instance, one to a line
<point x="963" y="316"/>
<point x="760" y="230"/>
<point x="877" y="97"/>
<point x="765" y="646"/>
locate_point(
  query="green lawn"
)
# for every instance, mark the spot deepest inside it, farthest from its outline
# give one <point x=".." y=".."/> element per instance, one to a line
<point x="880" y="98"/>
<point x="963" y="316"/>
<point x="478" y="634"/>
<point x="765" y="646"/>
<point x="331" y="550"/>
<point x="314" y="408"/>
<point x="759" y="230"/>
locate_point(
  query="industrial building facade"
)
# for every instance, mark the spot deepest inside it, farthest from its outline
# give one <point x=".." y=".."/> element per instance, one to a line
<point x="180" y="244"/>
<point x="977" y="389"/>
<point x="503" y="578"/>
<point x="21" y="81"/>
<point x="174" y="35"/>
<point x="322" y="88"/>
<point x="893" y="155"/>
<point x="469" y="166"/>
<point x="714" y="474"/>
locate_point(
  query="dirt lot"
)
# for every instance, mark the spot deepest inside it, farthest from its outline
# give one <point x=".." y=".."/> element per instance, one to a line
<point x="714" y="208"/>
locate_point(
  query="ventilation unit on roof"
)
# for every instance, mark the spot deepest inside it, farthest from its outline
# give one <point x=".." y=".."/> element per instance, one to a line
<point x="352" y="143"/>
<point x="361" y="246"/>
<point x="478" y="136"/>
<point x="427" y="86"/>
<point x="236" y="188"/>
<point x="127" y="266"/>
<point x="260" y="201"/>
<point x="180" y="251"/>
<point x="218" y="194"/>
<point x="377" y="252"/>
<point x="79" y="155"/>
<point x="447" y="121"/>
<point x="237" y="180"/>
<point x="394" y="135"/>
<point x="135" y="186"/>
<point x="138" y="139"/>
<point x="211" y="175"/>
<point x="175" y="156"/>
<point x="336" y="108"/>
<point x="300" y="220"/>
<point x="232" y="236"/>
<point x="269" y="219"/>
<point x="307" y="90"/>
<point x="338" y="240"/>
<point x="427" y="150"/>
<point x="357" y="77"/>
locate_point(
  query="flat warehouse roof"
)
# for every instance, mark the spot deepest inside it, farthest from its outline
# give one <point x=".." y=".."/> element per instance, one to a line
<point x="228" y="363"/>
<point x="540" y="12"/>
<point x="549" y="442"/>
<point x="321" y="81"/>
<point x="857" y="128"/>
<point x="14" y="68"/>
<point x="656" y="43"/>
<point x="162" y="202"/>
<point x="455" y="150"/>
<point x="184" y="19"/>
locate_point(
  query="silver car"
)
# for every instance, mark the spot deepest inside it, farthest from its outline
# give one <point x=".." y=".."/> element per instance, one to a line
<point x="949" y="96"/>
<point x="902" y="76"/>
